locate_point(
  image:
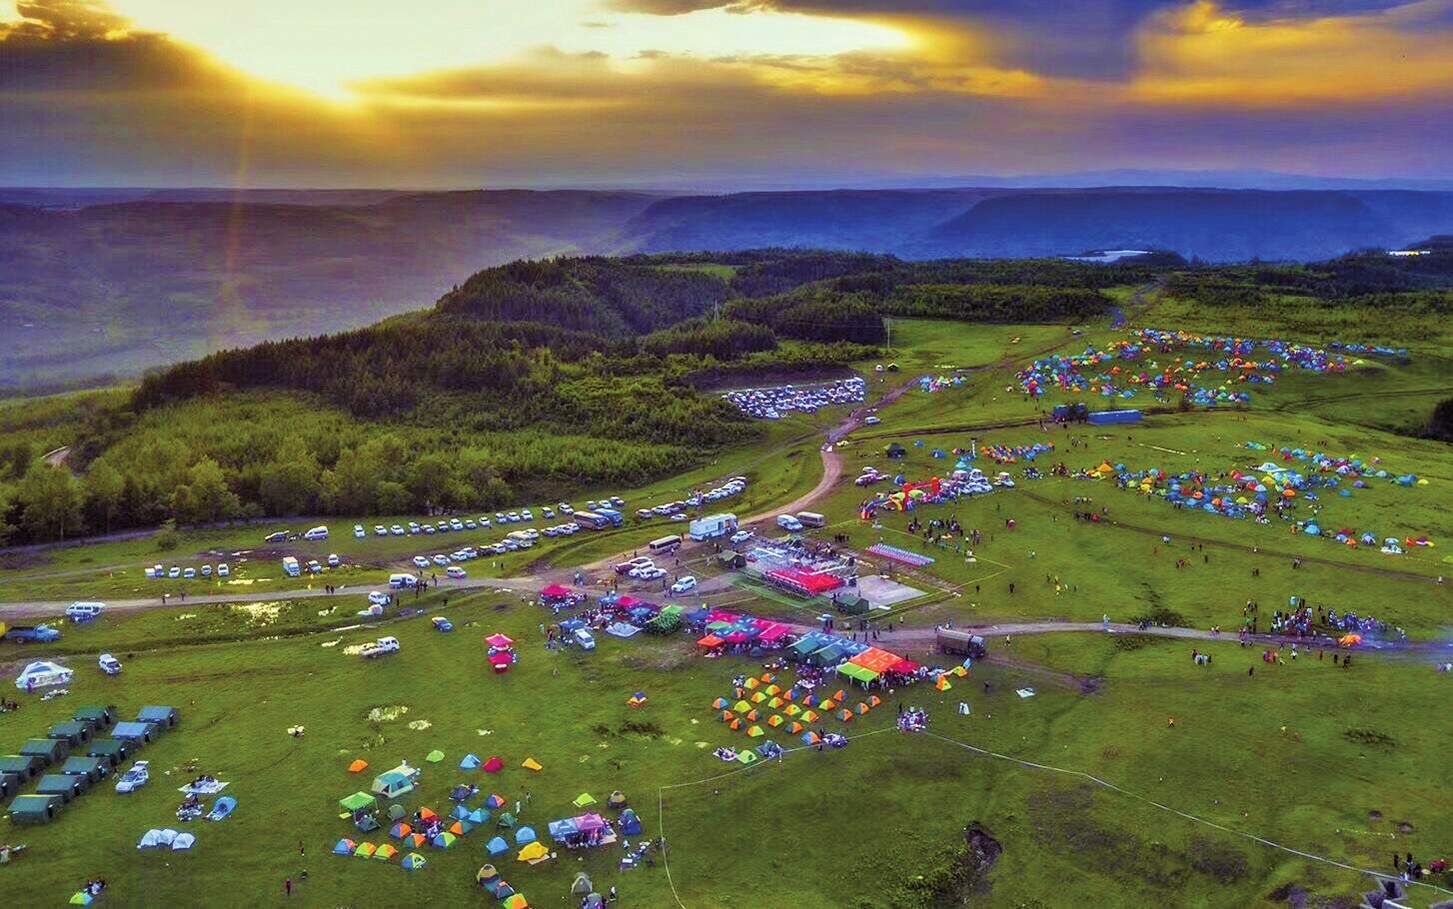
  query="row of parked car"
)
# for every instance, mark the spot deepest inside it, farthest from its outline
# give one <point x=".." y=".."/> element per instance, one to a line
<point x="484" y="522"/>
<point x="677" y="510"/>
<point x="773" y="403"/>
<point x="158" y="572"/>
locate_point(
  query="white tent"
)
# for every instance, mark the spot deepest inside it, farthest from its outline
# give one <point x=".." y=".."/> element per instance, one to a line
<point x="151" y="839"/>
<point x="184" y="841"/>
<point x="167" y="837"/>
<point x="41" y="674"/>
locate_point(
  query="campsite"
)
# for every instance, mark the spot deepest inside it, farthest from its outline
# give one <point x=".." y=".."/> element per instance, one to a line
<point x="1094" y="762"/>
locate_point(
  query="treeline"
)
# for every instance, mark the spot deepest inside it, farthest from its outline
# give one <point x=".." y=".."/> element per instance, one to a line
<point x="815" y="313"/>
<point x="996" y="303"/>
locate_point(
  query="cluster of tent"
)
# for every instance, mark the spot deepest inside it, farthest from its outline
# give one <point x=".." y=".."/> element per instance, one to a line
<point x="501" y="653"/>
<point x="724" y="628"/>
<point x="966" y="480"/>
<point x="384" y="852"/>
<point x="1249" y="493"/>
<point x="489" y="878"/>
<point x="932" y="384"/>
<point x="1234" y="358"/>
<point x="167" y="839"/>
<point x="1007" y="454"/>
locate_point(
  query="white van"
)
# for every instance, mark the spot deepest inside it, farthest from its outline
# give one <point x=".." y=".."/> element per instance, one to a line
<point x="789" y="523"/>
<point x="402" y="581"/>
<point x="84" y="612"/>
<point x="317" y="533"/>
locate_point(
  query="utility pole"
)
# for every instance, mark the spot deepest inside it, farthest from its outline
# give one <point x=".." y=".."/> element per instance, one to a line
<point x="888" y="327"/>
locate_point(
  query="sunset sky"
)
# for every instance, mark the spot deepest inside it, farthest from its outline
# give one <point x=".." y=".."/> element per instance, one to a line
<point x="456" y="93"/>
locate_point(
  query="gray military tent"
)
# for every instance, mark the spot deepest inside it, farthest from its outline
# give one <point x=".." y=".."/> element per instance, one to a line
<point x="68" y="786"/>
<point x="98" y="717"/>
<point x="10" y="784"/>
<point x="113" y="752"/>
<point x="93" y="768"/>
<point x="74" y="733"/>
<point x="35" y="809"/>
<point x="25" y="766"/>
<point x="138" y="733"/>
<point x="164" y="717"/>
<point x="52" y="751"/>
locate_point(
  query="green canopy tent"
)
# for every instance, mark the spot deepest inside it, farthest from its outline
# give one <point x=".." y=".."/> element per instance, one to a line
<point x="857" y="673"/>
<point x="827" y="656"/>
<point x="358" y="801"/>
<point x="803" y="648"/>
<point x="664" y="624"/>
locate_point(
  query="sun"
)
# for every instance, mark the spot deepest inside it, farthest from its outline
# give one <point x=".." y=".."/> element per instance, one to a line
<point x="324" y="46"/>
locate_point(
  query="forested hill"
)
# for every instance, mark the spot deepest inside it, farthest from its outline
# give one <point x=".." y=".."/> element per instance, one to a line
<point x="114" y="281"/>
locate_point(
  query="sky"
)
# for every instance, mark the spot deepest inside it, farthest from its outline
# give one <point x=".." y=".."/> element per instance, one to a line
<point x="683" y="93"/>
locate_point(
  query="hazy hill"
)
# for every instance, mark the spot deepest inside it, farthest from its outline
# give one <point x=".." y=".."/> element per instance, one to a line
<point x="112" y="281"/>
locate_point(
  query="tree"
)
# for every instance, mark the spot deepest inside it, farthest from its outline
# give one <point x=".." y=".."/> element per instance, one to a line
<point x="104" y="487"/>
<point x="209" y="499"/>
<point x="50" y="502"/>
<point x="290" y="483"/>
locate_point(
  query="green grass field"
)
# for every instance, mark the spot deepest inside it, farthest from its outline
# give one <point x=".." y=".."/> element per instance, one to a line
<point x="1274" y="785"/>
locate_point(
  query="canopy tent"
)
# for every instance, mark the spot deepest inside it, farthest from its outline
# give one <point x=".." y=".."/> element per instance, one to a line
<point x="358" y="801"/>
<point x="555" y="592"/>
<point x="499" y="641"/>
<point x="709" y="641"/>
<point x="562" y="829"/>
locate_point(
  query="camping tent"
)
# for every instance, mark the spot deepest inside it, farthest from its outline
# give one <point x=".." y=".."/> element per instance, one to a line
<point x="344" y="846"/>
<point x="616" y="801"/>
<point x="470" y="762"/>
<point x="494" y="802"/>
<point x="534" y="853"/>
<point x="479" y="816"/>
<point x="385" y="852"/>
<point x="24" y="766"/>
<point x="531" y="764"/>
<point x="394" y="783"/>
<point x="72" y="733"/>
<point x="435" y="756"/>
<point x="51" y="751"/>
<point x="111" y="751"/>
<point x="364" y="850"/>
<point x="99" y="717"/>
<point x="400" y="830"/>
<point x="525" y="835"/>
<point x="413" y="862"/>
<point x="41" y="674"/>
<point x="68" y="786"/>
<point x="358" y="766"/>
<point x="630" y="823"/>
<point x="497" y="846"/>
<point x="443" y="840"/>
<point x="184" y="841"/>
<point x="494" y="765"/>
<point x="136" y="732"/>
<point x="584" y="800"/>
<point x="582" y="884"/>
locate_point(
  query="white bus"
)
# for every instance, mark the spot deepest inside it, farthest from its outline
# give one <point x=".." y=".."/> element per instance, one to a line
<point x="664" y="545"/>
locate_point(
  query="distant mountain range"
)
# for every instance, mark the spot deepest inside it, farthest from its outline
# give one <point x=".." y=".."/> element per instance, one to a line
<point x="112" y="281"/>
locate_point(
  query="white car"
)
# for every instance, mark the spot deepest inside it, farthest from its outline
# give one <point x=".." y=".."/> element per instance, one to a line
<point x="174" y="572"/>
<point x="872" y="421"/>
<point x="527" y="515"/>
<point x="441" y="560"/>
<point x="109" y="664"/>
<point x="456" y="524"/>
<point x="414" y="527"/>
<point x="381" y="531"/>
<point x="678" y="517"/>
<point x="206" y="571"/>
<point x="334" y="561"/>
<point x="376" y="598"/>
<point x="134" y="778"/>
<point x="455" y="572"/>
<point x="585" y="639"/>
<point x="742" y="536"/>
<point x="358" y="531"/>
<point x="685" y="585"/>
<point x="484" y="523"/>
<point x="223" y="571"/>
<point x="397" y="530"/>
<point x="189" y="573"/>
<point x="421" y="562"/>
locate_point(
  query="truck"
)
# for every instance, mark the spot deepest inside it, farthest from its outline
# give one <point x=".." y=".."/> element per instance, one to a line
<point x="713" y="526"/>
<point x="615" y="518"/>
<point x="962" y="643"/>
<point x="811" y="519"/>
<point x="32" y="634"/>
<point x="291" y="566"/>
<point x="789" y="523"/>
<point x="379" y="648"/>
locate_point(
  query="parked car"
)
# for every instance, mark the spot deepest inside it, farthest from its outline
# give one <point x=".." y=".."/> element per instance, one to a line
<point x="678" y="517"/>
<point x="223" y="571"/>
<point x="358" y="531"/>
<point x="134" y="778"/>
<point x="455" y="572"/>
<point x="442" y="624"/>
<point x="314" y="567"/>
<point x="567" y="508"/>
<point x="334" y="561"/>
<point x="381" y="531"/>
<point x="617" y="501"/>
<point x="414" y="527"/>
<point x="278" y="536"/>
<point x="470" y="525"/>
<point x="206" y="571"/>
<point x="397" y="530"/>
<point x="189" y="573"/>
<point x="456" y="524"/>
<point x="483" y="523"/>
<point x="429" y="529"/>
<point x="742" y="536"/>
<point x="527" y="515"/>
<point x="585" y="639"/>
<point x="499" y="517"/>
<point x="645" y="513"/>
<point x="377" y="598"/>
<point x="547" y="513"/>
<point x="684" y="585"/>
<point x="872" y="421"/>
<point x="513" y="516"/>
<point x="421" y="562"/>
<point x="441" y="560"/>
<point x="175" y="572"/>
<point x="633" y="564"/>
<point x="109" y="664"/>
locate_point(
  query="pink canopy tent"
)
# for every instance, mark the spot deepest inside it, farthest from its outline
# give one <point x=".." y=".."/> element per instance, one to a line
<point x="499" y="641"/>
<point x="555" y="592"/>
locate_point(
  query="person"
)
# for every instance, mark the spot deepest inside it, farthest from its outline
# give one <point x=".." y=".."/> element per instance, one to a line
<point x="288" y="886"/>
<point x="302" y="850"/>
<point x="613" y="895"/>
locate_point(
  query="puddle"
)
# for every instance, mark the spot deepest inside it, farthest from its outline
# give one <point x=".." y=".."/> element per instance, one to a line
<point x="386" y="714"/>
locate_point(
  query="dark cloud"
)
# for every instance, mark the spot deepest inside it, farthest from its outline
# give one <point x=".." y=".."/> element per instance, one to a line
<point x="64" y="20"/>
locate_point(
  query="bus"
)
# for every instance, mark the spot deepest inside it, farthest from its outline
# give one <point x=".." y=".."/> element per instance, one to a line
<point x="664" y="545"/>
<point x="811" y="519"/>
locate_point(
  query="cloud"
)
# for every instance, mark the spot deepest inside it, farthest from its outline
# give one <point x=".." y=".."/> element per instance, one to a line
<point x="64" y="20"/>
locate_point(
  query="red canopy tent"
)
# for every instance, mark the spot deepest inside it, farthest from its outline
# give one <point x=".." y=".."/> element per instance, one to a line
<point x="501" y="661"/>
<point x="904" y="666"/>
<point x="555" y="592"/>
<point x="499" y="641"/>
<point x="803" y="582"/>
<point x="774" y="632"/>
